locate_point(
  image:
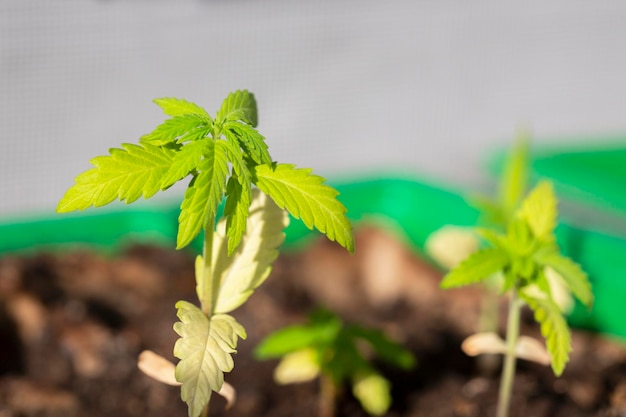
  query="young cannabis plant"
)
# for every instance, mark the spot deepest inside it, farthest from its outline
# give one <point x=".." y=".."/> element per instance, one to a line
<point x="225" y="157"/>
<point x="327" y="348"/>
<point x="534" y="273"/>
<point x="450" y="245"/>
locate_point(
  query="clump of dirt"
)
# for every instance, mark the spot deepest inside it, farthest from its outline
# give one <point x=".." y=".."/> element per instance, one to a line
<point x="72" y="325"/>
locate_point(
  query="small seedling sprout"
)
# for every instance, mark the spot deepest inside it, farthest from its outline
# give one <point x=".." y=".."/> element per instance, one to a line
<point x="328" y="349"/>
<point x="533" y="273"/>
<point x="226" y="158"/>
<point x="452" y="244"/>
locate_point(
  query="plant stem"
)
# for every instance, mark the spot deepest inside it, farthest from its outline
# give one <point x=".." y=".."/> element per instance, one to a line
<point x="209" y="287"/>
<point x="328" y="394"/>
<point x="488" y="322"/>
<point x="508" y="372"/>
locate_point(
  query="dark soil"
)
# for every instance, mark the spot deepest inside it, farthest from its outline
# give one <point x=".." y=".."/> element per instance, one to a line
<point x="72" y="325"/>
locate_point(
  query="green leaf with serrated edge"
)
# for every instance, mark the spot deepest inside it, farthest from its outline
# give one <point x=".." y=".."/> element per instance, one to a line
<point x="186" y="160"/>
<point x="176" y="128"/>
<point x="553" y="328"/>
<point x="195" y="134"/>
<point x="306" y="197"/>
<point x="514" y="177"/>
<point x="539" y="211"/>
<point x="204" y="194"/>
<point x="236" y="211"/>
<point x="204" y="349"/>
<point x="249" y="139"/>
<point x="239" y="105"/>
<point x="177" y="107"/>
<point x="476" y="268"/>
<point x="240" y="274"/>
<point x="296" y="337"/>
<point x="238" y="197"/>
<point x="126" y="174"/>
<point x="574" y="277"/>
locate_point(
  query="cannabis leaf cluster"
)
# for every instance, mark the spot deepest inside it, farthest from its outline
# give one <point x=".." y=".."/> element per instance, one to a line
<point x="523" y="255"/>
<point x="225" y="158"/>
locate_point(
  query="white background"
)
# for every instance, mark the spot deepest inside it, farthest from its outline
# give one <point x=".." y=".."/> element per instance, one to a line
<point x="345" y="87"/>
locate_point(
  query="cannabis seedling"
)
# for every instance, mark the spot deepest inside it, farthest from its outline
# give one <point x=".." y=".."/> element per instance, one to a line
<point x="534" y="273"/>
<point x="225" y="156"/>
<point x="335" y="352"/>
<point x="450" y="245"/>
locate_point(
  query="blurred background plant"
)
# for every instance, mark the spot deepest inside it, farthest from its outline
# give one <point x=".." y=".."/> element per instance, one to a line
<point x="336" y="353"/>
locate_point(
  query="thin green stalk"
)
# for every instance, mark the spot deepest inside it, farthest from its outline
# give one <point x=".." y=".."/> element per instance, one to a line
<point x="508" y="372"/>
<point x="210" y="287"/>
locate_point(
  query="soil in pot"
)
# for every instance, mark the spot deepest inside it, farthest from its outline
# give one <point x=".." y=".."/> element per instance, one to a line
<point x="73" y="323"/>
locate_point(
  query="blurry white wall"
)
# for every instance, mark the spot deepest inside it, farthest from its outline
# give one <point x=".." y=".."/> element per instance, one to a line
<point x="342" y="86"/>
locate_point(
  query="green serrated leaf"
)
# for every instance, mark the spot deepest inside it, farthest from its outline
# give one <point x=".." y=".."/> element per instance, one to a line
<point x="185" y="161"/>
<point x="539" y="211"/>
<point x="514" y="177"/>
<point x="297" y="337"/>
<point x="572" y="274"/>
<point x="178" y="107"/>
<point x="553" y="328"/>
<point x="178" y="128"/>
<point x="197" y="134"/>
<point x="476" y="268"/>
<point x="240" y="274"/>
<point x="126" y="174"/>
<point x="248" y="138"/>
<point x="238" y="197"/>
<point x="306" y="197"/>
<point x="204" y="194"/>
<point x="238" y="106"/>
<point x="204" y="349"/>
<point x="236" y="212"/>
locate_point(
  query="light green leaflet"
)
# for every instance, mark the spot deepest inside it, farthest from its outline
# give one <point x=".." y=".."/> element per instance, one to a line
<point x="179" y="107"/>
<point x="513" y="184"/>
<point x="204" y="349"/>
<point x="239" y="105"/>
<point x="306" y="197"/>
<point x="204" y="194"/>
<point x="553" y="328"/>
<point x="476" y="268"/>
<point x="539" y="211"/>
<point x="127" y="174"/>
